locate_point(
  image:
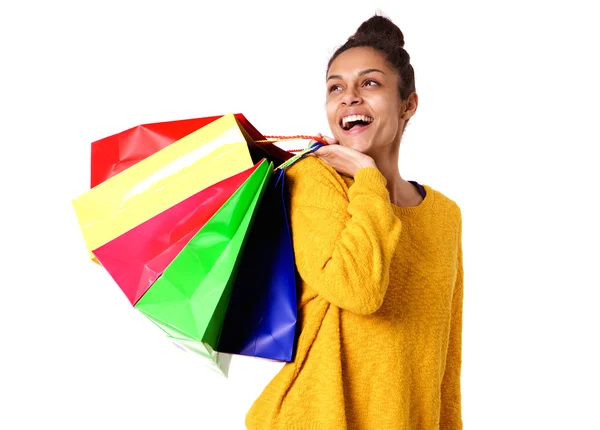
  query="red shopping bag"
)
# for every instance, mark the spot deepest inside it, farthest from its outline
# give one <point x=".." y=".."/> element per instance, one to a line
<point x="113" y="154"/>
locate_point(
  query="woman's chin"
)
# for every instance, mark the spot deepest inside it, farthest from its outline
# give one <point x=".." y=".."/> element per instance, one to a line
<point x="357" y="145"/>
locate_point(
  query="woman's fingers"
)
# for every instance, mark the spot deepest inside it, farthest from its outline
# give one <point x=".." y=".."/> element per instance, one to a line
<point x="345" y="160"/>
<point x="329" y="140"/>
<point x="318" y="136"/>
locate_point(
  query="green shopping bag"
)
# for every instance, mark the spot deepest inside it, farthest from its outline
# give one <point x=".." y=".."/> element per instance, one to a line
<point x="189" y="301"/>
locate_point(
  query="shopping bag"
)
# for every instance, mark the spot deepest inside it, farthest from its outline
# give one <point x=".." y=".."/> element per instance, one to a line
<point x="262" y="312"/>
<point x="190" y="299"/>
<point x="113" y="154"/>
<point x="211" y="154"/>
<point x="218" y="362"/>
<point x="261" y="317"/>
<point x="139" y="256"/>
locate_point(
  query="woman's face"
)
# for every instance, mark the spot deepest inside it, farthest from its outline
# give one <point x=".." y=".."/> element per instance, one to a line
<point x="364" y="109"/>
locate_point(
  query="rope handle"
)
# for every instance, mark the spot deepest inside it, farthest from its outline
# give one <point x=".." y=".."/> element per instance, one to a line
<point x="273" y="139"/>
<point x="311" y="148"/>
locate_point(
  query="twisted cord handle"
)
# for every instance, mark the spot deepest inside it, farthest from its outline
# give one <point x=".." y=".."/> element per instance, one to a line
<point x="273" y="139"/>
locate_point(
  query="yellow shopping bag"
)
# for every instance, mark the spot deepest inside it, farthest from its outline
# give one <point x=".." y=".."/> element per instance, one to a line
<point x="201" y="159"/>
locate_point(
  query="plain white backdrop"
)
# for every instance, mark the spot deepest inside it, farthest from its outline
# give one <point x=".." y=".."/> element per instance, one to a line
<point x="507" y="126"/>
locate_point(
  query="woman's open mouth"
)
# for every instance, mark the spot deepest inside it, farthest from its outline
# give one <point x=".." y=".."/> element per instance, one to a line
<point x="355" y="122"/>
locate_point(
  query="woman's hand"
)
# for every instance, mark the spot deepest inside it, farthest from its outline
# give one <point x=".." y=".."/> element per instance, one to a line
<point x="344" y="160"/>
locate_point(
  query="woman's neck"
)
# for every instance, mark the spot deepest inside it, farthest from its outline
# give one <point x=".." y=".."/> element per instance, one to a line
<point x="402" y="192"/>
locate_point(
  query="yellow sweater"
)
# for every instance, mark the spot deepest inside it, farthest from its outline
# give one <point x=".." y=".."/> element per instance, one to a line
<point x="380" y="310"/>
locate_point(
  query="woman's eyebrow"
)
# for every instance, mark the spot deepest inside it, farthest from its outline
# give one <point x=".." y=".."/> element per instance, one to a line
<point x="361" y="73"/>
<point x="367" y="71"/>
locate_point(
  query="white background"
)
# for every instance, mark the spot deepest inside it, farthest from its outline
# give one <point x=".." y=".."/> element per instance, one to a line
<point x="507" y="126"/>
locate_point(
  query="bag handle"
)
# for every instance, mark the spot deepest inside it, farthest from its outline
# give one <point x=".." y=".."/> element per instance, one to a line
<point x="311" y="148"/>
<point x="274" y="139"/>
<point x="301" y="153"/>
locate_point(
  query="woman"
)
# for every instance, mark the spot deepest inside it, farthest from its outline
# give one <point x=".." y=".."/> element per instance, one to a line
<point x="380" y="263"/>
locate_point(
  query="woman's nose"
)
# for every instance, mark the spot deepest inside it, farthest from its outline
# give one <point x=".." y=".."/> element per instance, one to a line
<point x="351" y="97"/>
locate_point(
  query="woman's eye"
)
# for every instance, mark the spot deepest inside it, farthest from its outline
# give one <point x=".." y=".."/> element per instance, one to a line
<point x="370" y="83"/>
<point x="334" y="88"/>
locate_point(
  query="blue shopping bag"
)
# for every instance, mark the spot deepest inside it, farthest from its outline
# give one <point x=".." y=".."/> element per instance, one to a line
<point x="262" y="312"/>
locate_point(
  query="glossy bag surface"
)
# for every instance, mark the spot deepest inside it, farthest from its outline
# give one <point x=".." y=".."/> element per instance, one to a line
<point x="163" y="179"/>
<point x="139" y="256"/>
<point x="113" y="154"/>
<point x="190" y="299"/>
<point x="262" y="313"/>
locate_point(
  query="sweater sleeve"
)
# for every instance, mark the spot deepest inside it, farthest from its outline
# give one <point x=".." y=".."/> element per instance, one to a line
<point x="451" y="415"/>
<point x="343" y="241"/>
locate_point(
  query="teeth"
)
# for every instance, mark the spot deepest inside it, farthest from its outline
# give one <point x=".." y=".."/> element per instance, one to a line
<point x="353" y="118"/>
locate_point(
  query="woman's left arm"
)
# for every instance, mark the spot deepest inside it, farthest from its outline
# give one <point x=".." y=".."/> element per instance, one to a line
<point x="451" y="414"/>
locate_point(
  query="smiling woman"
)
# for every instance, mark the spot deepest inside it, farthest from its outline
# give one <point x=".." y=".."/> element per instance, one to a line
<point x="358" y="94"/>
<point x="380" y="264"/>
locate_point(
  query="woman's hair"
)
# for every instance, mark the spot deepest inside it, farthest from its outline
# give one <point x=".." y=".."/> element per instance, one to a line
<point x="382" y="34"/>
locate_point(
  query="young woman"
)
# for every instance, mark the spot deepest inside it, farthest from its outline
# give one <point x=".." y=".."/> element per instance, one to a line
<point x="380" y="263"/>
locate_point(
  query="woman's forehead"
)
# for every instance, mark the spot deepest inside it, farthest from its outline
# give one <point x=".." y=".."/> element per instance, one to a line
<point x="354" y="61"/>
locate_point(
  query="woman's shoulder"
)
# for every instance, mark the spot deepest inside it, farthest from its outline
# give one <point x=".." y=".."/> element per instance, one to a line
<point x="444" y="205"/>
<point x="310" y="164"/>
<point x="311" y="182"/>
<point x="312" y="175"/>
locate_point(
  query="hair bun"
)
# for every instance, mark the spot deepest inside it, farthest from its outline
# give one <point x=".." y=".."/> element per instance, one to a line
<point x="379" y="27"/>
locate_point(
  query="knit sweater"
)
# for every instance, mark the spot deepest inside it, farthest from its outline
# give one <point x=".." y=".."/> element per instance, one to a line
<point x="380" y="311"/>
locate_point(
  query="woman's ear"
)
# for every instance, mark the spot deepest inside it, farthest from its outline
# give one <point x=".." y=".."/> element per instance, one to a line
<point x="410" y="106"/>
